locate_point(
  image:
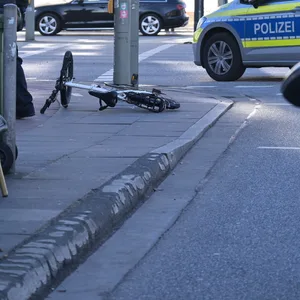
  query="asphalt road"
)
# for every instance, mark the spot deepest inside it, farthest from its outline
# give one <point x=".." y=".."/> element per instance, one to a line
<point x="236" y="236"/>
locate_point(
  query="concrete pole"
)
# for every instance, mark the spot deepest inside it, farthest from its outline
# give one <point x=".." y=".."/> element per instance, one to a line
<point x="122" y="43"/>
<point x="30" y="22"/>
<point x="134" y="41"/>
<point x="9" y="75"/>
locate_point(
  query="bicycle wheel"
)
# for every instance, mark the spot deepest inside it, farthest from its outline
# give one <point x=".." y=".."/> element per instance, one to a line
<point x="66" y="74"/>
<point x="147" y="101"/>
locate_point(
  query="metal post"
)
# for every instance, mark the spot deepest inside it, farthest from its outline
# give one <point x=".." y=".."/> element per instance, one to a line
<point x="30" y="22"/>
<point x="199" y="12"/>
<point x="9" y="75"/>
<point x="122" y="43"/>
<point x="134" y="42"/>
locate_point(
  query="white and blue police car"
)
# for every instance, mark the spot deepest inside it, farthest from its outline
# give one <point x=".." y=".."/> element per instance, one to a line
<point x="240" y="35"/>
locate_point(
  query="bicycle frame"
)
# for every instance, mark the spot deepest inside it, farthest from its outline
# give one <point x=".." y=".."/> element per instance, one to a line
<point x="86" y="87"/>
<point x="97" y="89"/>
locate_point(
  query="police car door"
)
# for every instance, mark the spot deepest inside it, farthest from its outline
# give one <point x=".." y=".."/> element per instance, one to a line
<point x="272" y="33"/>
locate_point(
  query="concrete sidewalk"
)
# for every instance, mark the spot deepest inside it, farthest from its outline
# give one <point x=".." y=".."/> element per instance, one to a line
<point x="79" y="173"/>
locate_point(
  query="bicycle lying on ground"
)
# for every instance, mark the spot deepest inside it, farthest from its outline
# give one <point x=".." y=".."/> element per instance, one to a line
<point x="154" y="101"/>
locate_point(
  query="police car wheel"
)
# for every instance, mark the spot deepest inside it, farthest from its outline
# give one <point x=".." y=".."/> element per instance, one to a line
<point x="48" y="24"/>
<point x="222" y="58"/>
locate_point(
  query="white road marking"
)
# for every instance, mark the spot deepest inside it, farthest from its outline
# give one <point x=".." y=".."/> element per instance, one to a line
<point x="245" y="123"/>
<point x="41" y="80"/>
<point x="154" y="51"/>
<point x="44" y="50"/>
<point x="256" y="108"/>
<point x="108" y="76"/>
<point x="277" y="104"/>
<point x="253" y="86"/>
<point x="77" y="95"/>
<point x="200" y="86"/>
<point x="278" y="148"/>
<point x="186" y="41"/>
<point x="222" y="85"/>
<point x="36" y="46"/>
<point x="90" y="53"/>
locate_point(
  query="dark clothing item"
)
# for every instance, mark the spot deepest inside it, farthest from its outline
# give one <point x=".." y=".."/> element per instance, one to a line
<point x="24" y="105"/>
<point x="22" y="3"/>
<point x="23" y="96"/>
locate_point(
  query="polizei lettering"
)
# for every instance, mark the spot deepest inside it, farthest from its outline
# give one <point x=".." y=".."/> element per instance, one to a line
<point x="274" y="27"/>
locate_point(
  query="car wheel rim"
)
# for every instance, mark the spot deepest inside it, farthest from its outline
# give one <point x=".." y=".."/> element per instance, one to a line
<point x="48" y="25"/>
<point x="220" y="58"/>
<point x="150" y="25"/>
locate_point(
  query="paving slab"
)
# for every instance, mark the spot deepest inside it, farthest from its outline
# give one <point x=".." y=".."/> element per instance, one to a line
<point x="80" y="172"/>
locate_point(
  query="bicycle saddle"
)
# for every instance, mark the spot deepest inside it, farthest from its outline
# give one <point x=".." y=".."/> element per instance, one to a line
<point x="109" y="98"/>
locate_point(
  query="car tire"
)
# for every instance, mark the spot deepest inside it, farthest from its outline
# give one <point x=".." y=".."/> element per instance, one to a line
<point x="49" y="24"/>
<point x="222" y="58"/>
<point x="150" y="24"/>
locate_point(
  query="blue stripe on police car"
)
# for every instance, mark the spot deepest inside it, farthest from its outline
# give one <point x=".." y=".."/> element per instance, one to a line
<point x="283" y="27"/>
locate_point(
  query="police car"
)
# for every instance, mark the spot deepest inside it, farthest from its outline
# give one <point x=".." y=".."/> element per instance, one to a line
<point x="240" y="35"/>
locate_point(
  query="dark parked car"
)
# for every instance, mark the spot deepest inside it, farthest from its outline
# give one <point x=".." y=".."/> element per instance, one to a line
<point x="91" y="14"/>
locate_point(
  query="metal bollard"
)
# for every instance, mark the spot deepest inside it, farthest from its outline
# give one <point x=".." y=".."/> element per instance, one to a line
<point x="30" y="22"/>
<point x="134" y="39"/>
<point x="9" y="75"/>
<point x="121" y="73"/>
<point x="126" y="41"/>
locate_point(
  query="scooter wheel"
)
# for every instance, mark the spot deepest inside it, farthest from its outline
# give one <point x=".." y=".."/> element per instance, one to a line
<point x="6" y="156"/>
